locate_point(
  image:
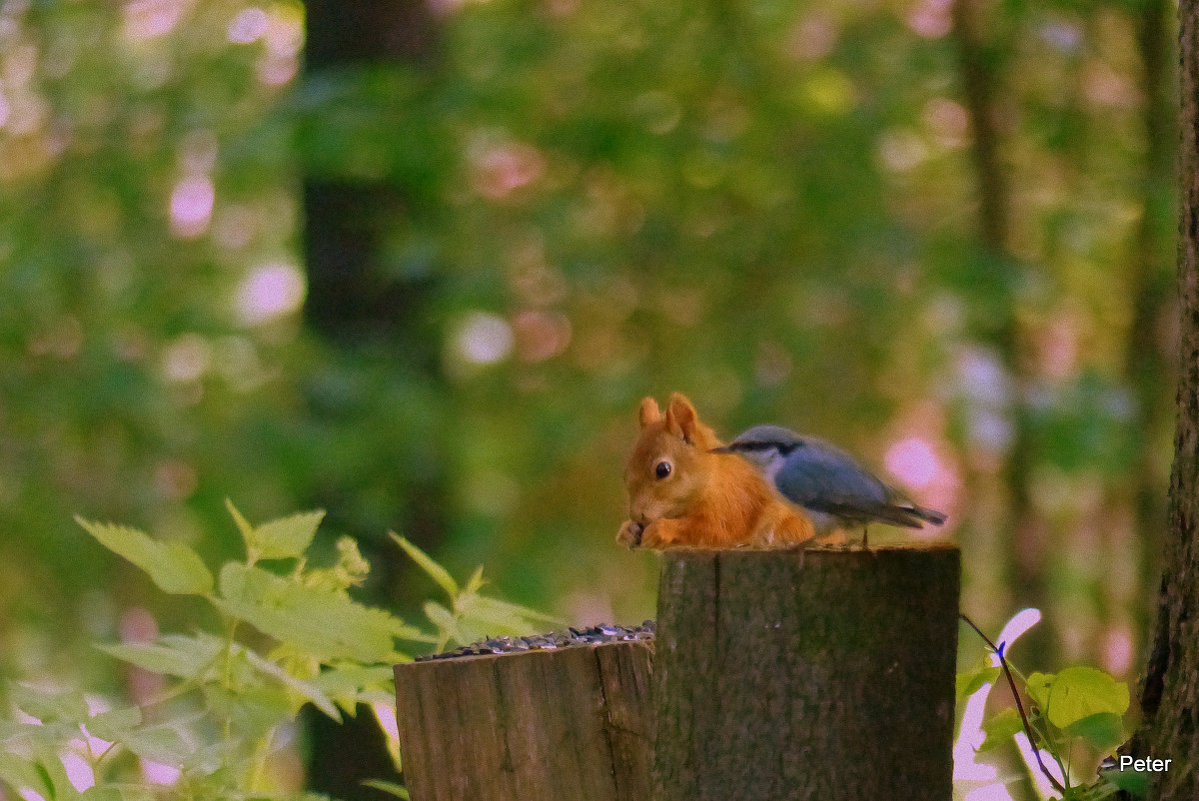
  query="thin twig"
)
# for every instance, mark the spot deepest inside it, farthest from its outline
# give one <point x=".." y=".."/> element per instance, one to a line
<point x="1011" y="682"/>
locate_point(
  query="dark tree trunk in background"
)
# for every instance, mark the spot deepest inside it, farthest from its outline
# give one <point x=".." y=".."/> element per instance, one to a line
<point x="350" y="293"/>
<point x="375" y="316"/>
<point x="978" y="94"/>
<point x="1133" y="508"/>
<point x="356" y="299"/>
<point x="1022" y="530"/>
<point x="1149" y="368"/>
<point x="1170" y="692"/>
<point x="351" y="299"/>
<point x="366" y="31"/>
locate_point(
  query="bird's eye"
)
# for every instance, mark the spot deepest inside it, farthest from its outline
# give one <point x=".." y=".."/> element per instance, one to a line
<point x="662" y="469"/>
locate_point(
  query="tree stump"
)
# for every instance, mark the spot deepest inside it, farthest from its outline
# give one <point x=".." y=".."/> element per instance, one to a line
<point x="808" y="674"/>
<point x="573" y="724"/>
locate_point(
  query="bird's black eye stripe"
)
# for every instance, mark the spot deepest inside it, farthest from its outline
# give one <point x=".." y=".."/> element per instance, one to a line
<point x="789" y="448"/>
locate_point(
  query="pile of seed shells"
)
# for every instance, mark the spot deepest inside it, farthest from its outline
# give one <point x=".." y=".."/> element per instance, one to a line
<point x="594" y="635"/>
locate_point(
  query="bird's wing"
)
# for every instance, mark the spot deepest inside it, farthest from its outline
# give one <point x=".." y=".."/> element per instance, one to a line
<point x="819" y="476"/>
<point x="823" y="478"/>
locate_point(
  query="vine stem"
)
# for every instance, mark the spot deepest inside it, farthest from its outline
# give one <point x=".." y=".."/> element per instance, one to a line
<point x="1011" y="683"/>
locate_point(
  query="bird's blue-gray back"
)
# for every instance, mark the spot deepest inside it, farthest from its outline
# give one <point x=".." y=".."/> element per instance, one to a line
<point x="820" y="476"/>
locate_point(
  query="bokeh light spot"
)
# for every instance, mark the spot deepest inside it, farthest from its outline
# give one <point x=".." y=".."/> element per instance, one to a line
<point x="484" y="339"/>
<point x="147" y="19"/>
<point x="191" y="206"/>
<point x="930" y="18"/>
<point x="1118" y="650"/>
<point x="501" y="169"/>
<point x="270" y="292"/>
<point x="541" y="335"/>
<point x="248" y="26"/>
<point x="186" y="358"/>
<point x="913" y="461"/>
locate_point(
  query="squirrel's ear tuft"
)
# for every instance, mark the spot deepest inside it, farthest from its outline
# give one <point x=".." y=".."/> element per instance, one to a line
<point x="649" y="412"/>
<point x="681" y="417"/>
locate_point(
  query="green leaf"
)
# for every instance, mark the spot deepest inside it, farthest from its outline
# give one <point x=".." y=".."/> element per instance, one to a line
<point x="475" y="582"/>
<point x="171" y="655"/>
<point x="327" y="625"/>
<point x="443" y="619"/>
<point x="101" y="793"/>
<point x="50" y="765"/>
<point x="413" y="634"/>
<point x="243" y="525"/>
<point x="285" y="538"/>
<point x="1000" y="727"/>
<point x="21" y="773"/>
<point x="505" y="617"/>
<point x="304" y="689"/>
<point x="349" y="684"/>
<point x="1103" y="731"/>
<point x="350" y="678"/>
<point x="1135" y="783"/>
<point x="40" y="768"/>
<point x="123" y="793"/>
<point x="251" y="712"/>
<point x="173" y="566"/>
<point x="398" y="790"/>
<point x="165" y="743"/>
<point x="972" y="681"/>
<point x="1078" y="692"/>
<point x="50" y="706"/>
<point x="1037" y="686"/>
<point x="116" y="724"/>
<point x="436" y="572"/>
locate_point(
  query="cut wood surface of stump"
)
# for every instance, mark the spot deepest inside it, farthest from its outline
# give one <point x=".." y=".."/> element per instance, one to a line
<point x="570" y="724"/>
<point x="809" y="674"/>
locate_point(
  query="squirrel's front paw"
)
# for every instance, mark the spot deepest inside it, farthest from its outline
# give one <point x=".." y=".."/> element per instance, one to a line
<point x="630" y="534"/>
<point x="657" y="535"/>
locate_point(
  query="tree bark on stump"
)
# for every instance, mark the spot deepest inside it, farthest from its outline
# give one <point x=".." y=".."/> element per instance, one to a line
<point x="810" y="674"/>
<point x="574" y="724"/>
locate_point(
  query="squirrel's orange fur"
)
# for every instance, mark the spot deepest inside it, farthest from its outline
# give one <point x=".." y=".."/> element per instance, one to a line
<point x="680" y="493"/>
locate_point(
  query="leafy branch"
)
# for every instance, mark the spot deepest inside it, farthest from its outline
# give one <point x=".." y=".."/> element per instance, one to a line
<point x="1079" y="706"/>
<point x="291" y="635"/>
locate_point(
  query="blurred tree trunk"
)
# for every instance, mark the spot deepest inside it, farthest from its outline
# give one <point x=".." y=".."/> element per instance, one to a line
<point x="356" y="299"/>
<point x="350" y="295"/>
<point x="358" y="304"/>
<point x="1025" y="533"/>
<point x="978" y="89"/>
<point x="1148" y="370"/>
<point x="1170" y="693"/>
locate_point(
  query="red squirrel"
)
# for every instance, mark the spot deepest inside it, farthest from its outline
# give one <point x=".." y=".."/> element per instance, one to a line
<point x="680" y="493"/>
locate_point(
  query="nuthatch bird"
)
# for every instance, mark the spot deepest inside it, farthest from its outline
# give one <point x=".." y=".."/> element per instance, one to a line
<point x="833" y="489"/>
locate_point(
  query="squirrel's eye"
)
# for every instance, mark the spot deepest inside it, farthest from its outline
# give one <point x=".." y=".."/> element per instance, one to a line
<point x="662" y="469"/>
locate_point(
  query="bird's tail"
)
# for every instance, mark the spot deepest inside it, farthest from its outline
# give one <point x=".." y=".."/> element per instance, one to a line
<point x="910" y="515"/>
<point x="919" y="514"/>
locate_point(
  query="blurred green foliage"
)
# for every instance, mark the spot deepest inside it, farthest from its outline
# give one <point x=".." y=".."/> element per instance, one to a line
<point x="214" y="712"/>
<point x="769" y="207"/>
